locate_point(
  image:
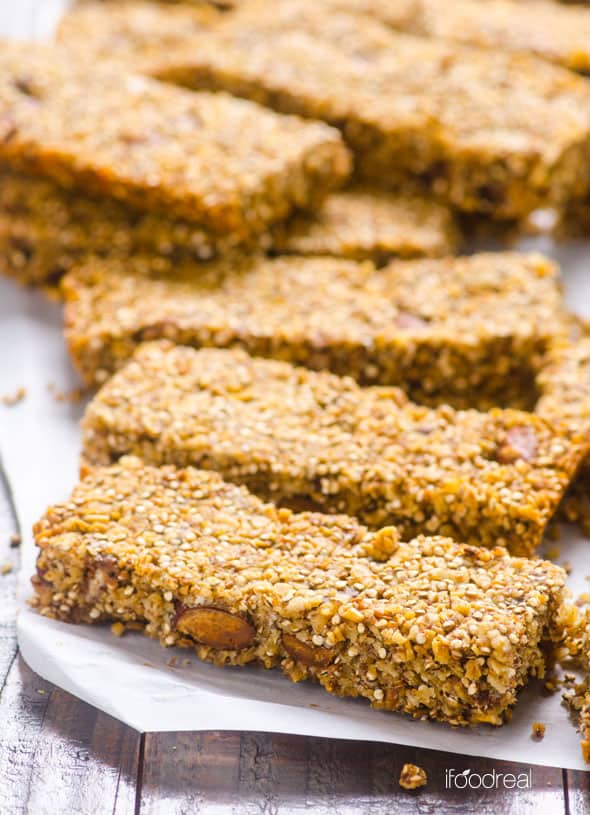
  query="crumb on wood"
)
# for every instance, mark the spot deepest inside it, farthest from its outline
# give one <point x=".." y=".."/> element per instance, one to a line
<point x="538" y="731"/>
<point x="412" y="777"/>
<point x="11" y="399"/>
<point x="73" y="396"/>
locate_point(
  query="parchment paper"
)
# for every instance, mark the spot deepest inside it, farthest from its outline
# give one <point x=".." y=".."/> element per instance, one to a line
<point x="130" y="678"/>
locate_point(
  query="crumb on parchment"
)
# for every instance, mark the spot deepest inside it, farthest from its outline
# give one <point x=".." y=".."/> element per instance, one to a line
<point x="12" y="399"/>
<point x="538" y="731"/>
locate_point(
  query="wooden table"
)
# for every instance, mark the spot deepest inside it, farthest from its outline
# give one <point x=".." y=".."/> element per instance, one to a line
<point x="59" y="756"/>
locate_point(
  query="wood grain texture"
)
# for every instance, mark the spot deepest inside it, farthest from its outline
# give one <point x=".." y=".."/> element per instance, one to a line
<point x="59" y="755"/>
<point x="577" y="792"/>
<point x="266" y="774"/>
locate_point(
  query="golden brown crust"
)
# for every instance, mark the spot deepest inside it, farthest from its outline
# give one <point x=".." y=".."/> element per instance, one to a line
<point x="437" y="630"/>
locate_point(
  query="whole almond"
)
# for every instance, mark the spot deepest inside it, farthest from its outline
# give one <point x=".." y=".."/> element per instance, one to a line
<point x="217" y="628"/>
<point x="313" y="656"/>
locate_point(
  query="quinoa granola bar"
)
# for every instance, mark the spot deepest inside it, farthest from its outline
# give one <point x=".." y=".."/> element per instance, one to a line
<point x="370" y="224"/>
<point x="160" y="148"/>
<point x="315" y="439"/>
<point x="576" y="651"/>
<point x="563" y="384"/>
<point x="463" y="330"/>
<point x="490" y="132"/>
<point x="45" y="230"/>
<point x="428" y="627"/>
<point x="546" y="29"/>
<point x="48" y="230"/>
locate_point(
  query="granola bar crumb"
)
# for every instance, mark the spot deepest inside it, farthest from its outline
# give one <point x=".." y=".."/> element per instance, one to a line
<point x="73" y="396"/>
<point x="118" y="629"/>
<point x="15" y="540"/>
<point x="12" y="399"/>
<point x="412" y="777"/>
<point x="538" y="731"/>
<point x="6" y="568"/>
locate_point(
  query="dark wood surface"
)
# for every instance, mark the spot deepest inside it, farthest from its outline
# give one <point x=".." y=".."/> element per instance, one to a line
<point x="59" y="756"/>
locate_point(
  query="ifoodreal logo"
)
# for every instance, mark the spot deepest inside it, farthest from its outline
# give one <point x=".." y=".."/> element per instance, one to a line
<point x="492" y="780"/>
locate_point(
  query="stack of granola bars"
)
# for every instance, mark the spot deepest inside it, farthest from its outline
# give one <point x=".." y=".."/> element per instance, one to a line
<point x="322" y="441"/>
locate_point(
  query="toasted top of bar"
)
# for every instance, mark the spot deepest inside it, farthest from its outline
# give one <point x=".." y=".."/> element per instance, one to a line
<point x="209" y="542"/>
<point x="134" y="33"/>
<point x="364" y="223"/>
<point x="158" y="146"/>
<point x="550" y="30"/>
<point x="320" y="300"/>
<point x="225" y="406"/>
<point x="564" y="384"/>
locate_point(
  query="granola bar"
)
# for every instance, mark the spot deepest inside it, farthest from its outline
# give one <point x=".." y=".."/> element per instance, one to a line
<point x="467" y="330"/>
<point x="564" y="387"/>
<point x="488" y="131"/>
<point x="160" y="148"/>
<point x="546" y="29"/>
<point x="428" y="627"/>
<point x="579" y="702"/>
<point x="295" y="436"/>
<point x="45" y="230"/>
<point x="362" y="223"/>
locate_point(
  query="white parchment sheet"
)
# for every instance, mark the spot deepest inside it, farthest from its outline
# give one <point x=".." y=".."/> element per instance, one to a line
<point x="129" y="677"/>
